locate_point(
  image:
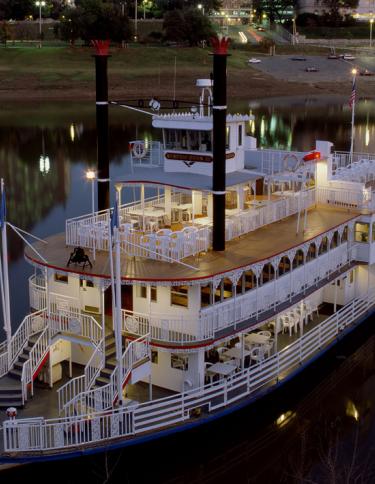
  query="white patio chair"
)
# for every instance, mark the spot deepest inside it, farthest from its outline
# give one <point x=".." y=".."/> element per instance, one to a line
<point x="266" y="334"/>
<point x="287" y="323"/>
<point x="269" y="347"/>
<point x="256" y="354"/>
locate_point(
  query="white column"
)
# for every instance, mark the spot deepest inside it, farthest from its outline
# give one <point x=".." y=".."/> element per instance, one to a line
<point x="102" y="289"/>
<point x="168" y="202"/>
<point x="143" y="205"/>
<point x="209" y="206"/>
<point x="118" y="333"/>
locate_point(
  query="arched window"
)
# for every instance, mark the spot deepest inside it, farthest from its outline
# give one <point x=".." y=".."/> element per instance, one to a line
<point x="227" y="288"/>
<point x="284" y="265"/>
<point x="250" y="280"/>
<point x="323" y="248"/>
<point x="298" y="259"/>
<point x="334" y="240"/>
<point x="344" y="236"/>
<point x="311" y="253"/>
<point x="268" y="273"/>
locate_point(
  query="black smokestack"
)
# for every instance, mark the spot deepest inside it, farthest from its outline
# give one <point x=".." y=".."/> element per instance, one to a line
<point x="101" y="70"/>
<point x="219" y="139"/>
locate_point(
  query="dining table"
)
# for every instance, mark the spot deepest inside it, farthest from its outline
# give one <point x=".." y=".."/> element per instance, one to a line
<point x="256" y="339"/>
<point x="221" y="369"/>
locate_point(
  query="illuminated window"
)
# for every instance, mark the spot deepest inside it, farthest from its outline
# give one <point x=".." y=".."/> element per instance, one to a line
<point x="361" y="232"/>
<point x="179" y="296"/>
<point x="61" y="278"/>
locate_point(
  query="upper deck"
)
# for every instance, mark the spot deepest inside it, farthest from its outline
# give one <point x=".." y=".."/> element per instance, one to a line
<point x="249" y="249"/>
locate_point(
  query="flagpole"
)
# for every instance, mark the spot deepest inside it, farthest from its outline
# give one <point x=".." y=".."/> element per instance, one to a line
<point x="352" y="102"/>
<point x="7" y="322"/>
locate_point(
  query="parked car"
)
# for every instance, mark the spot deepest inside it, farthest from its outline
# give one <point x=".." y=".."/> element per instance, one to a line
<point x="333" y="56"/>
<point x="348" y="57"/>
<point x="311" y="69"/>
<point x="253" y="60"/>
<point x="298" y="58"/>
<point x="366" y="72"/>
<point x="261" y="29"/>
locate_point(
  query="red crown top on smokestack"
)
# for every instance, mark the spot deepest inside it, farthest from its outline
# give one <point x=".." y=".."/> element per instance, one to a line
<point x="101" y="46"/>
<point x="220" y="45"/>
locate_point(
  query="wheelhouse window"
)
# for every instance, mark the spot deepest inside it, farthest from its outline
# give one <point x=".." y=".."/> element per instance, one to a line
<point x="179" y="296"/>
<point x="361" y="232"/>
<point x="190" y="140"/>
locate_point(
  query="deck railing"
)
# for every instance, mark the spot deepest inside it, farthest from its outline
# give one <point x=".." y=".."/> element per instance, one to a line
<point x="342" y="198"/>
<point x="77" y="324"/>
<point x="35" y="435"/>
<point x="103" y="398"/>
<point x="36" y="358"/>
<point x="3" y="359"/>
<point x="37" y="292"/>
<point x="343" y="158"/>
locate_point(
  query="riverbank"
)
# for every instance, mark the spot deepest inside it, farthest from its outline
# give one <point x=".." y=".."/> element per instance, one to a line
<point x="56" y="74"/>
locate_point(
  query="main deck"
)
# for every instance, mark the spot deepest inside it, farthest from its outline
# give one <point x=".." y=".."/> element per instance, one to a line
<point x="250" y="248"/>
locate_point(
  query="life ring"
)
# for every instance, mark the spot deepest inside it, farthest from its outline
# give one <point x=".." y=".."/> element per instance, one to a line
<point x="286" y="164"/>
<point x="131" y="324"/>
<point x="139" y="149"/>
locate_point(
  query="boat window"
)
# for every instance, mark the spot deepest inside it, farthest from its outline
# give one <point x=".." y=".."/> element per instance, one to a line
<point x="205" y="296"/>
<point x="179" y="296"/>
<point x="250" y="280"/>
<point x="373" y="232"/>
<point x="240" y="135"/>
<point x="154" y="293"/>
<point x="268" y="273"/>
<point x="335" y="240"/>
<point x="142" y="291"/>
<point x="227" y="288"/>
<point x="227" y="138"/>
<point x="206" y="141"/>
<point x="61" y="278"/>
<point x="361" y="232"/>
<point x="298" y="259"/>
<point x="344" y="237"/>
<point x="240" y="285"/>
<point x="323" y="248"/>
<point x="85" y="283"/>
<point x="311" y="253"/>
<point x="284" y="265"/>
<point x="193" y="140"/>
<point x="218" y="292"/>
<point x="154" y="357"/>
<point x="179" y="362"/>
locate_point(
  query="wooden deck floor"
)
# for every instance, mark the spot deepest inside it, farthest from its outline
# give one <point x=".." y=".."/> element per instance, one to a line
<point x="248" y="249"/>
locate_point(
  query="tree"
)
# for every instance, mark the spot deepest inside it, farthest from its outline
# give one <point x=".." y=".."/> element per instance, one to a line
<point x="4" y="33"/>
<point x="335" y="10"/>
<point x="15" y="9"/>
<point x="275" y="10"/>
<point x="188" y="25"/>
<point x="94" y="19"/>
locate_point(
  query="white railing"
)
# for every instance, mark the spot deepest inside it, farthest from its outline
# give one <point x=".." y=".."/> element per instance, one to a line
<point x="4" y="368"/>
<point x="77" y="324"/>
<point x="345" y="158"/>
<point x="36" y="356"/>
<point x="103" y="398"/>
<point x="32" y="324"/>
<point x="164" y="327"/>
<point x="37" y="435"/>
<point x="278" y="161"/>
<point x="340" y="197"/>
<point x="68" y="392"/>
<point x="253" y="303"/>
<point x="37" y="292"/>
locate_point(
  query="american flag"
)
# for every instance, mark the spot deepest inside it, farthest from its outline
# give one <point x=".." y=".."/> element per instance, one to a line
<point x="353" y="94"/>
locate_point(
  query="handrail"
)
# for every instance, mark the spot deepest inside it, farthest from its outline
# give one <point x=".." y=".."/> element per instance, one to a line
<point x="103" y="398"/>
<point x="39" y="351"/>
<point x="51" y="434"/>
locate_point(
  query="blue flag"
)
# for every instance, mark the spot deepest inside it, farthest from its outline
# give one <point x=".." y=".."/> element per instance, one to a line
<point x="3" y="209"/>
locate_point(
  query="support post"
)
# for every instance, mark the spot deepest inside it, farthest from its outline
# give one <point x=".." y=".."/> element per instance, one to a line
<point x="5" y="278"/>
<point x="101" y="70"/>
<point x="220" y="55"/>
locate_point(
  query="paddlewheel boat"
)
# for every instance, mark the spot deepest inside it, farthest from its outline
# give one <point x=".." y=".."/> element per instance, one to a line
<point x="192" y="300"/>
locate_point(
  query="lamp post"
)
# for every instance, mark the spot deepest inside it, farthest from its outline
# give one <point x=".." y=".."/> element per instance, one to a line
<point x="371" y="22"/>
<point x="136" y="21"/>
<point x="201" y="7"/>
<point x="40" y="4"/>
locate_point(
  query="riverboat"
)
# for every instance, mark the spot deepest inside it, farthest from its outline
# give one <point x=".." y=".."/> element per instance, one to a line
<point x="214" y="286"/>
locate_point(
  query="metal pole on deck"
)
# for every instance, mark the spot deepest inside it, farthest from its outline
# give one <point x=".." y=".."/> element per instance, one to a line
<point x="5" y="278"/>
<point x="219" y="108"/>
<point x="101" y="71"/>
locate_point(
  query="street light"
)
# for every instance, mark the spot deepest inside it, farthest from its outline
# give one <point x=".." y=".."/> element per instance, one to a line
<point x="40" y="4"/>
<point x="371" y="22"/>
<point x="201" y="7"/>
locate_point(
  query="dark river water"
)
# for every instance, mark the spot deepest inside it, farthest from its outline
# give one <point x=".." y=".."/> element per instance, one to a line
<point x="319" y="430"/>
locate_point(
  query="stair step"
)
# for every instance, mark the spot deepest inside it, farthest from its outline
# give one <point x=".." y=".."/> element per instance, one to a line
<point x="10" y="396"/>
<point x="11" y="403"/>
<point x="107" y="371"/>
<point x="15" y="374"/>
<point x="8" y="389"/>
<point x="18" y="365"/>
<point x="110" y="341"/>
<point x="33" y="338"/>
<point x="23" y="357"/>
<point x="102" y="380"/>
<point x="111" y="363"/>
